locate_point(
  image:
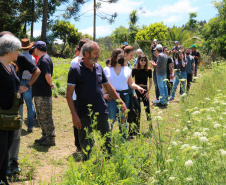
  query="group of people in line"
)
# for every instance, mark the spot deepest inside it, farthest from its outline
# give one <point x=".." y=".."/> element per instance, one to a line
<point x="92" y="92"/>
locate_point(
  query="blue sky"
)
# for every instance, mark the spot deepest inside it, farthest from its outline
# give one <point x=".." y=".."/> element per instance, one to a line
<point x="173" y="12"/>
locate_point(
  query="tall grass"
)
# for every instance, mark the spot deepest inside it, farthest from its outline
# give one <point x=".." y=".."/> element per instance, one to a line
<point x="191" y="149"/>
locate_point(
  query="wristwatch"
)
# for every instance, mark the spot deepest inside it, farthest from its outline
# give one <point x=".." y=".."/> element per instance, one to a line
<point x="27" y="85"/>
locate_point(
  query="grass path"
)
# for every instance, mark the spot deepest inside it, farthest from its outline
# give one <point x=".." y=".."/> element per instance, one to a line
<point x="45" y="165"/>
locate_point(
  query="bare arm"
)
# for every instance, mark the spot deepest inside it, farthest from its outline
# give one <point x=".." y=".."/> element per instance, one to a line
<point x="75" y="119"/>
<point x="49" y="80"/>
<point x="193" y="68"/>
<point x="31" y="81"/>
<point x="135" y="86"/>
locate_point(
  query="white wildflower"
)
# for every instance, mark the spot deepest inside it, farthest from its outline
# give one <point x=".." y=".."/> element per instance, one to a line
<point x="218" y="90"/>
<point x="194" y="148"/>
<point x="188" y="163"/>
<point x="164" y="171"/>
<point x="195" y="78"/>
<point x="204" y="133"/>
<point x="222" y="152"/>
<point x="207" y="99"/>
<point x="172" y="178"/>
<point x="157" y="118"/>
<point x="206" y="129"/>
<point x="157" y="172"/>
<point x="160" y="112"/>
<point x="188" y="121"/>
<point x="185" y="146"/>
<point x="197" y="134"/>
<point x="196" y="108"/>
<point x="221" y="118"/>
<point x="178" y="130"/>
<point x="184" y="95"/>
<point x="173" y="143"/>
<point x="169" y="160"/>
<point x="217" y="125"/>
<point x="203" y="139"/>
<point x="209" y="118"/>
<point x="187" y="110"/>
<point x="224" y="113"/>
<point x="195" y="113"/>
<point x="189" y="179"/>
<point x="185" y="128"/>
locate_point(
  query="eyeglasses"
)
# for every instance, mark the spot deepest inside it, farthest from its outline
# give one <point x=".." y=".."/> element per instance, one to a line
<point x="143" y="60"/>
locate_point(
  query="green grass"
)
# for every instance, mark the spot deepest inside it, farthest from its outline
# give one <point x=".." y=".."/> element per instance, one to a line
<point x="189" y="150"/>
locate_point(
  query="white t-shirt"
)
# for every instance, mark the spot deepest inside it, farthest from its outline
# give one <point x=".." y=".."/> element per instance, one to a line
<point x="73" y="62"/>
<point x="119" y="82"/>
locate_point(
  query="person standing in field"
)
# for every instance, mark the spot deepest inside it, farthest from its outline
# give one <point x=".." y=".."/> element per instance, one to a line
<point x="161" y="73"/>
<point x="42" y="92"/>
<point x="142" y="73"/>
<point x="77" y="59"/>
<point x="175" y="49"/>
<point x="86" y="79"/>
<point x="195" y="53"/>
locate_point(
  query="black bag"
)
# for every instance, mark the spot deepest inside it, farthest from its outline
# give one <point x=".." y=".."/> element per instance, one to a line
<point x="10" y="119"/>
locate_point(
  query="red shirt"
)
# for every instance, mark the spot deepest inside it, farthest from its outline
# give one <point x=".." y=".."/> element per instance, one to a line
<point x="36" y="59"/>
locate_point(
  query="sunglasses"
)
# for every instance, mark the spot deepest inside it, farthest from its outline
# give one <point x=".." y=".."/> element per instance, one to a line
<point x="143" y="60"/>
<point x="154" y="52"/>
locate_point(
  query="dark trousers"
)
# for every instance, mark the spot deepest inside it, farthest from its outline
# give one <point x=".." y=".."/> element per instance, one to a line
<point x="6" y="140"/>
<point x="157" y="93"/>
<point x="189" y="81"/>
<point x="102" y="125"/>
<point x="169" y="84"/>
<point x="75" y="129"/>
<point x="146" y="106"/>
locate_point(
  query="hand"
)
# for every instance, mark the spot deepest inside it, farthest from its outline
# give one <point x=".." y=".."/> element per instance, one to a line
<point x="23" y="88"/>
<point x="146" y="96"/>
<point x="171" y="76"/>
<point x="76" y="122"/>
<point x="107" y="97"/>
<point x="193" y="72"/>
<point x="141" y="90"/>
<point x="52" y="86"/>
<point x="123" y="107"/>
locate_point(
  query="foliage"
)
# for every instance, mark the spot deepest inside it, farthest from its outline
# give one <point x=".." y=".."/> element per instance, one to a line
<point x="120" y="34"/>
<point x="191" y="152"/>
<point x="133" y="29"/>
<point x="66" y="31"/>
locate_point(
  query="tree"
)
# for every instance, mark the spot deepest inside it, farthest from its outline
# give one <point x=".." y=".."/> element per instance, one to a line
<point x="120" y="35"/>
<point x="66" y="31"/>
<point x="133" y="29"/>
<point x="192" y="21"/>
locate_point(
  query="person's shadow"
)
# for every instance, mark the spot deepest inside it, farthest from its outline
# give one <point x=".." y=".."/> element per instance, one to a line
<point x="39" y="148"/>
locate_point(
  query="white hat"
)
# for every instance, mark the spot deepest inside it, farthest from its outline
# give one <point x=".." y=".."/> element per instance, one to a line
<point x="159" y="46"/>
<point x="154" y="40"/>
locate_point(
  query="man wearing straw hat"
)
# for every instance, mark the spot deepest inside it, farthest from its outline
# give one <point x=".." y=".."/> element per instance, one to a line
<point x="27" y="95"/>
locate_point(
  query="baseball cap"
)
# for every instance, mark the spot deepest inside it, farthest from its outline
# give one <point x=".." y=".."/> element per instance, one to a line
<point x="125" y="43"/>
<point x="176" y="42"/>
<point x="159" y="46"/>
<point x="155" y="40"/>
<point x="193" y="46"/>
<point x="40" y="45"/>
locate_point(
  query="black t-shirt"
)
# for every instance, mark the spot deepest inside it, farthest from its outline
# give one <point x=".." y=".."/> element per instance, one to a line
<point x="197" y="54"/>
<point x="141" y="76"/>
<point x="24" y="64"/>
<point x="88" y="88"/>
<point x="9" y="84"/>
<point x="178" y="65"/>
<point x="41" y="87"/>
<point x="152" y="52"/>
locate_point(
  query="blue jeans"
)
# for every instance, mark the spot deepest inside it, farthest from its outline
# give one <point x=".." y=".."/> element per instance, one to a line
<point x="156" y="85"/>
<point x="163" y="89"/>
<point x="114" y="112"/>
<point x="178" y="75"/>
<point x="30" y="107"/>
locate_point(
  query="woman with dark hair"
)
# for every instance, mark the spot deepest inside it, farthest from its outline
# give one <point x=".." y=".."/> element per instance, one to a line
<point x="180" y="74"/>
<point x="141" y="74"/>
<point x="120" y="78"/>
<point x="129" y="54"/>
<point x="9" y="83"/>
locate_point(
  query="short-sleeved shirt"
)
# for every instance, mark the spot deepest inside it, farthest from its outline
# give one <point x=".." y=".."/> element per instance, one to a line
<point x="24" y="64"/>
<point x="141" y="76"/>
<point x="178" y="65"/>
<point x="41" y="87"/>
<point x="189" y="61"/>
<point x="196" y="54"/>
<point x="88" y="88"/>
<point x="162" y="60"/>
<point x="9" y="84"/>
<point x="119" y="82"/>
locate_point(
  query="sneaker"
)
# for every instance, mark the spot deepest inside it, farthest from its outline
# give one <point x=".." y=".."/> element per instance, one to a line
<point x="43" y="138"/>
<point x="48" y="142"/>
<point x="156" y="101"/>
<point x="160" y="105"/>
<point x="14" y="167"/>
<point x="29" y="130"/>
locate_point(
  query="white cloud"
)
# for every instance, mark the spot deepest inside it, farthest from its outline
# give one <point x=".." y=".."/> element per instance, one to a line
<point x="121" y="7"/>
<point x="180" y="7"/>
<point x="173" y="19"/>
<point x="101" y="31"/>
<point x="36" y="33"/>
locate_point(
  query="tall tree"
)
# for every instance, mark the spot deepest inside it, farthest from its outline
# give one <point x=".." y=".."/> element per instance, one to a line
<point x="133" y="29"/>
